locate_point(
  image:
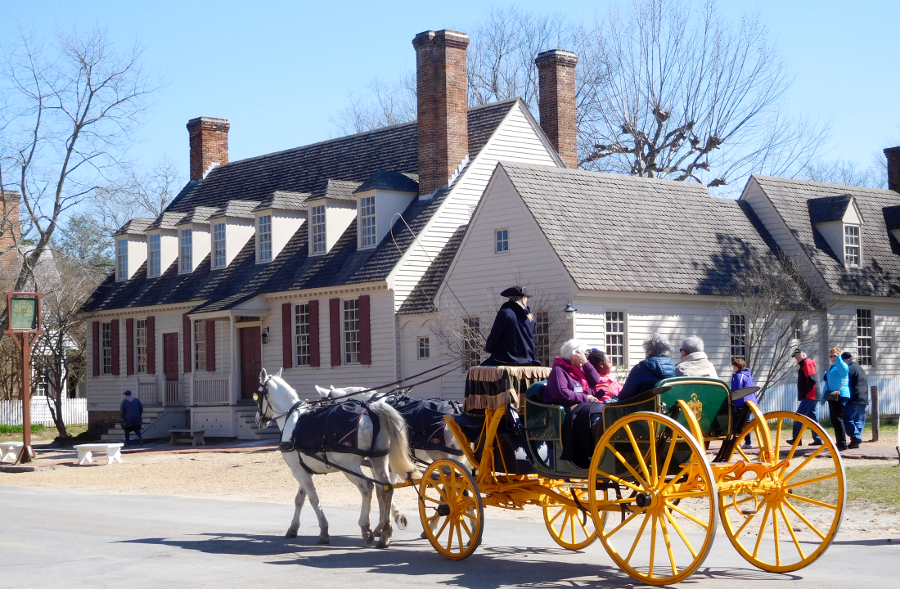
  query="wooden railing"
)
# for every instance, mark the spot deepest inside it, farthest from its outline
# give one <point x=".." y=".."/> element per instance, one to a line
<point x="173" y="393"/>
<point x="212" y="391"/>
<point x="148" y="393"/>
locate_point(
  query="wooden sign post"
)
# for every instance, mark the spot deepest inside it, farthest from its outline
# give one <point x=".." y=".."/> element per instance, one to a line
<point x="24" y="312"/>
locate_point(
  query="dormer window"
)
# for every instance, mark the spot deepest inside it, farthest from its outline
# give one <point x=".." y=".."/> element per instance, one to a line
<point x="186" y="251"/>
<point x="367" y="231"/>
<point x="219" y="245"/>
<point x="851" y="245"/>
<point x="265" y="238"/>
<point x="122" y="259"/>
<point x="155" y="255"/>
<point x="317" y="230"/>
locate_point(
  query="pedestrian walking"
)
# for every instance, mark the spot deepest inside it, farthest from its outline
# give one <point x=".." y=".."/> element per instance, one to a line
<point x="855" y="410"/>
<point x="806" y="394"/>
<point x="132" y="410"/>
<point x="837" y="393"/>
<point x="739" y="380"/>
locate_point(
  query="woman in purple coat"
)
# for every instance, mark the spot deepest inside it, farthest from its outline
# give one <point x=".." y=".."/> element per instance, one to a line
<point x="572" y="384"/>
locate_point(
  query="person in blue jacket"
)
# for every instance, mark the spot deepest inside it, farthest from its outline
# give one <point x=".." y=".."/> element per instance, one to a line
<point x="656" y="366"/>
<point x="739" y="380"/>
<point x="837" y="379"/>
<point x="132" y="410"/>
<point x="511" y="342"/>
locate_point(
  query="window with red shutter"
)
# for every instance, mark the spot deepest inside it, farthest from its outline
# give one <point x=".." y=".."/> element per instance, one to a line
<point x="114" y="326"/>
<point x="314" y="333"/>
<point x="334" y="318"/>
<point x="95" y="347"/>
<point x="287" y="347"/>
<point x="186" y="341"/>
<point x="129" y="347"/>
<point x="365" y="333"/>
<point x="151" y="345"/>
<point x="210" y="346"/>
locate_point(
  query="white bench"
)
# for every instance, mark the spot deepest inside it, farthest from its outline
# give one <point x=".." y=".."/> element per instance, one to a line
<point x="182" y="435"/>
<point x="9" y="451"/>
<point x="86" y="451"/>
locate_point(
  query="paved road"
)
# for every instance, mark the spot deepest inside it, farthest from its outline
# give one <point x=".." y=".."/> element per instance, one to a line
<point x="66" y="539"/>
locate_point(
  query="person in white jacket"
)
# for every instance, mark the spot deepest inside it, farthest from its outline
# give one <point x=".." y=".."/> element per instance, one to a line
<point x="693" y="360"/>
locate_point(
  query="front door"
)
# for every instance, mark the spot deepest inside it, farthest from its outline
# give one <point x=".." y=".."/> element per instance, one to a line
<point x="170" y="356"/>
<point x="251" y="360"/>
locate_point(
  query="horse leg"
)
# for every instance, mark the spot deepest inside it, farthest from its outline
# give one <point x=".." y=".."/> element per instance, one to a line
<point x="306" y="488"/>
<point x="381" y="472"/>
<point x="298" y="505"/>
<point x="365" y="490"/>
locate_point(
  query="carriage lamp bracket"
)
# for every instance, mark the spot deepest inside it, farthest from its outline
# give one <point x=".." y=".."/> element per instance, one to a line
<point x="265" y="335"/>
<point x="570" y="311"/>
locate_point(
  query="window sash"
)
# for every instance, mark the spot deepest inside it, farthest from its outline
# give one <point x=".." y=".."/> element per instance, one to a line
<point x="140" y="345"/>
<point x="219" y="245"/>
<point x="199" y="345"/>
<point x="106" y="347"/>
<point x="424" y="348"/>
<point x="851" y="245"/>
<point x="737" y="331"/>
<point x="367" y="221"/>
<point x="318" y="229"/>
<point x="122" y="255"/>
<point x="865" y="337"/>
<point x="186" y="251"/>
<point x="154" y="255"/>
<point x="351" y="332"/>
<point x="615" y="337"/>
<point x="501" y="241"/>
<point x="301" y="333"/>
<point x="265" y="238"/>
<point x="542" y="337"/>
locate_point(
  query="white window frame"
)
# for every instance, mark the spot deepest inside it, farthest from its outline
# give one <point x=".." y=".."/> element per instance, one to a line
<point x="317" y="243"/>
<point x="106" y="348"/>
<point x="865" y="342"/>
<point x="542" y="337"/>
<point x="501" y="241"/>
<point x="423" y="347"/>
<point x="140" y="345"/>
<point x="264" y="231"/>
<point x="122" y="259"/>
<point x="187" y="250"/>
<point x="616" y="336"/>
<point x="737" y="335"/>
<point x="368" y="232"/>
<point x="852" y="246"/>
<point x="155" y="255"/>
<point x="301" y="334"/>
<point x="220" y="259"/>
<point x="199" y="344"/>
<point x="350" y="331"/>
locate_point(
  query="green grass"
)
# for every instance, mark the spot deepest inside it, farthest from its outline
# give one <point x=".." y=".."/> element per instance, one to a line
<point x="40" y="434"/>
<point x="17" y="429"/>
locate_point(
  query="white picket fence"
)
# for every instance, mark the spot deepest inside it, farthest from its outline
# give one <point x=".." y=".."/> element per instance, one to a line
<point x="74" y="412"/>
<point x="783" y="397"/>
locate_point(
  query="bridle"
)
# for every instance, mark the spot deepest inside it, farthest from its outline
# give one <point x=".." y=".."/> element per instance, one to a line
<point x="263" y="406"/>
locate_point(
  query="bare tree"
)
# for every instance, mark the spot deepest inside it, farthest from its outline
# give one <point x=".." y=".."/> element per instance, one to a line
<point x="383" y="104"/>
<point x="848" y="173"/>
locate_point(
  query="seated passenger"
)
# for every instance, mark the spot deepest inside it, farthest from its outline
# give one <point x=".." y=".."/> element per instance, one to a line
<point x="609" y="385"/>
<point x="572" y="383"/>
<point x="655" y="367"/>
<point x="694" y="361"/>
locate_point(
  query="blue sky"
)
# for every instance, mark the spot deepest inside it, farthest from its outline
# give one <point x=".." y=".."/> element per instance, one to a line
<point x="278" y="70"/>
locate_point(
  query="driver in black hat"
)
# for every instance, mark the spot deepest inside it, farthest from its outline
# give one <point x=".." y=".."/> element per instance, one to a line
<point x="511" y="342"/>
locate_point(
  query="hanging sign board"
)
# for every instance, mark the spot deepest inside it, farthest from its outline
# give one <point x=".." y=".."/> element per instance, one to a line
<point x="23" y="315"/>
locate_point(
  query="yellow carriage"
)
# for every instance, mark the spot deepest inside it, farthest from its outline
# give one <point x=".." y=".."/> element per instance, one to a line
<point x="653" y="492"/>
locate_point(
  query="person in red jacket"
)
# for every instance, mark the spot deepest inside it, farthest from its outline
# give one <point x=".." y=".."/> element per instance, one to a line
<point x="806" y="394"/>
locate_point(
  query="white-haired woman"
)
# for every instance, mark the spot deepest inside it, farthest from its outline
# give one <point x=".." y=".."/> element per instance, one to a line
<point x="572" y="383"/>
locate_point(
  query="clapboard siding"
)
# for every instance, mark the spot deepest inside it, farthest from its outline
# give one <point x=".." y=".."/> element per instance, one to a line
<point x="411" y="329"/>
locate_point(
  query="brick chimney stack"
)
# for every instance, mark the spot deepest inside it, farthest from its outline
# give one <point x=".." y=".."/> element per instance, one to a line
<point x="556" y="102"/>
<point x="209" y="145"/>
<point x="442" y="101"/>
<point x="10" y="230"/>
<point x="893" y="166"/>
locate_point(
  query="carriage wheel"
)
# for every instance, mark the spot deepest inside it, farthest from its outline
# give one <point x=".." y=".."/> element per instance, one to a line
<point x="450" y="509"/>
<point x="571" y="527"/>
<point x="662" y="527"/>
<point x="788" y="519"/>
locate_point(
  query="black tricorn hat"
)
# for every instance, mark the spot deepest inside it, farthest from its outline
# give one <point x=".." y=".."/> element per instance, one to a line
<point x="515" y="291"/>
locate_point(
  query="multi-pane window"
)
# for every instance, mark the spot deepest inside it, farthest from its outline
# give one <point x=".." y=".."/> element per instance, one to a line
<point x="737" y="330"/>
<point x="155" y="262"/>
<point x="615" y="337"/>
<point x="140" y="345"/>
<point x="424" y="348"/>
<point x="351" y="331"/>
<point x="106" y="347"/>
<point x="367" y="221"/>
<point x="200" y="345"/>
<point x="122" y="258"/>
<point x="851" y="245"/>
<point x="865" y="335"/>
<point x="265" y="238"/>
<point x="796" y="329"/>
<point x="542" y="338"/>
<point x="301" y="333"/>
<point x="219" y="245"/>
<point x="501" y="241"/>
<point x="187" y="264"/>
<point x="318" y="229"/>
<point x="471" y="330"/>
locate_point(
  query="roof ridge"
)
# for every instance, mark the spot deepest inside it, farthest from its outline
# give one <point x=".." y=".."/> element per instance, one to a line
<point x="848" y="187"/>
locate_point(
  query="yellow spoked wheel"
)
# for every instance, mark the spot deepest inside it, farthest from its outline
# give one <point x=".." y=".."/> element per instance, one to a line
<point x="786" y="519"/>
<point x="657" y="516"/>
<point x="571" y="527"/>
<point x="450" y="509"/>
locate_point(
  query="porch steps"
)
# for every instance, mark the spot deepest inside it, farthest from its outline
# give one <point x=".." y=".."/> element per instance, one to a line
<point x="247" y="430"/>
<point x="117" y="434"/>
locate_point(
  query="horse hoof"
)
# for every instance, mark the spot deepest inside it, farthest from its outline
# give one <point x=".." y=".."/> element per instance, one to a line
<point x="291" y="534"/>
<point x="383" y="543"/>
<point x="400" y="521"/>
<point x="423" y="535"/>
<point x="368" y="538"/>
<point x="377" y="532"/>
<point x="325" y="540"/>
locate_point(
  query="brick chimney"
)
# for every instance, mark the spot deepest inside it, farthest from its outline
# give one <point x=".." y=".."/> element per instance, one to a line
<point x="442" y="102"/>
<point x="893" y="167"/>
<point x="556" y="102"/>
<point x="10" y="230"/>
<point x="209" y="145"/>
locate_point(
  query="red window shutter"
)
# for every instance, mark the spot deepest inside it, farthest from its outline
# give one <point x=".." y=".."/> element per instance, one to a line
<point x="151" y="345"/>
<point x="129" y="347"/>
<point x="95" y="346"/>
<point x="186" y="327"/>
<point x="334" y="306"/>
<point x="114" y="341"/>
<point x="314" y="333"/>
<point x="287" y="346"/>
<point x="365" y="333"/>
<point x="211" y="346"/>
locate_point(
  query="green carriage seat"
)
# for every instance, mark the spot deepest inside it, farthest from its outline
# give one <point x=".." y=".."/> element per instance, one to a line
<point x="708" y="398"/>
<point x="543" y="429"/>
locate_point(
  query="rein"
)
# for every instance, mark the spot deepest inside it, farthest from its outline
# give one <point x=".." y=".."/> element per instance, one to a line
<point x="396" y="382"/>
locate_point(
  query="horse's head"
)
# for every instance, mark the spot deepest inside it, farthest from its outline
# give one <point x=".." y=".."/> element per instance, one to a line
<point x="274" y="398"/>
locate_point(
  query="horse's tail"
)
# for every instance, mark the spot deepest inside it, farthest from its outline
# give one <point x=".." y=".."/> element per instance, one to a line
<point x="395" y="425"/>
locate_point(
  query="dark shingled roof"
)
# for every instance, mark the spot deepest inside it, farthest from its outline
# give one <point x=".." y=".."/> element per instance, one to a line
<point x="382" y="180"/>
<point x="892" y="217"/>
<point x="236" y="209"/>
<point x="199" y="216"/>
<point x="828" y="208"/>
<point x="167" y="221"/>
<point x="879" y="272"/>
<point x="285" y="201"/>
<point x="421" y="299"/>
<point x="335" y="190"/>
<point x="136" y="226"/>
<point x="639" y="234"/>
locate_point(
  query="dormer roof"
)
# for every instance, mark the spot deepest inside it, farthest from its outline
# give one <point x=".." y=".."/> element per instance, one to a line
<point x="284" y="200"/>
<point x="199" y="216"/>
<point x="167" y="221"/>
<point x="136" y="226"/>
<point x="236" y="209"/>
<point x="829" y="209"/>
<point x="384" y="180"/>
<point x="336" y="190"/>
<point x="891" y="217"/>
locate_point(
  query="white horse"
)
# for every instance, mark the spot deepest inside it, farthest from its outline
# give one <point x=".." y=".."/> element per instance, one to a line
<point x="277" y="401"/>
